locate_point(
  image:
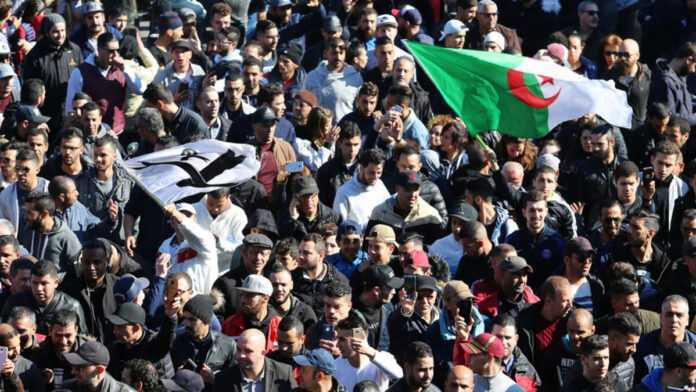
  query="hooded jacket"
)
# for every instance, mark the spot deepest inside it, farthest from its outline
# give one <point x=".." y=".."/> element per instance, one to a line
<point x="98" y="327"/>
<point x="52" y="64"/>
<point x="671" y="89"/>
<point x="96" y="201"/>
<point x="219" y="355"/>
<point x="59" y="245"/>
<point x="300" y="227"/>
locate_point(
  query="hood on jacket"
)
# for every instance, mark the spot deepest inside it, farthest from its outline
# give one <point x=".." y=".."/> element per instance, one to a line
<point x="263" y="219"/>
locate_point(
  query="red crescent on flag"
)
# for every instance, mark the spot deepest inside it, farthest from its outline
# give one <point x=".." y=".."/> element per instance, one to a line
<point x="521" y="91"/>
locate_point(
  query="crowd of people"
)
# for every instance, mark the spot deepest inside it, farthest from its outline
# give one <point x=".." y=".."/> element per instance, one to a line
<point x="380" y="246"/>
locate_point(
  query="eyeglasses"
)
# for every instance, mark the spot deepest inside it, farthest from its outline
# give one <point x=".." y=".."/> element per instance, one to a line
<point x="613" y="220"/>
<point x="591" y="12"/>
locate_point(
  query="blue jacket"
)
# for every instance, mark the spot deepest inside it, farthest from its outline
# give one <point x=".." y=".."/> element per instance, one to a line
<point x="345" y="266"/>
<point x="648" y="356"/>
<point x="84" y="224"/>
<point x="652" y="382"/>
<point x="544" y="253"/>
<point x="81" y="38"/>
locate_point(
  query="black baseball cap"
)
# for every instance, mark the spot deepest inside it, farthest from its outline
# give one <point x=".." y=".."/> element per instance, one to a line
<point x="426" y="283"/>
<point x="464" y="211"/>
<point x="515" y="264"/>
<point x="680" y="355"/>
<point x="128" y="313"/>
<point x="381" y="275"/>
<point x="184" y="380"/>
<point x="409" y="180"/>
<point x="90" y="353"/>
<point x="264" y="115"/>
<point x="305" y="185"/>
<point x="580" y="246"/>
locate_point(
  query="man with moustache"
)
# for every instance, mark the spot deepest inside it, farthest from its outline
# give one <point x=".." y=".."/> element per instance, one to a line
<point x="589" y="290"/>
<point x="633" y="77"/>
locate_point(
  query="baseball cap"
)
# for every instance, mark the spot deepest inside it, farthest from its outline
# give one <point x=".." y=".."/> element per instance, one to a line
<point x="187" y="15"/>
<point x="689" y="248"/>
<point x="332" y="24"/>
<point x="259" y="240"/>
<point x="515" y="264"/>
<point x="127" y="287"/>
<point x="31" y="114"/>
<point x="265" y="115"/>
<point x="386" y="20"/>
<point x="548" y="160"/>
<point x="382" y="233"/>
<point x="184" y="380"/>
<point x="6" y="71"/>
<point x="291" y="51"/>
<point x="319" y="358"/>
<point x="281" y="3"/>
<point x="456" y="291"/>
<point x="453" y="26"/>
<point x="182" y="44"/>
<point x="90" y="353"/>
<point x="256" y="284"/>
<point x="4" y="48"/>
<point x="411" y="15"/>
<point x="381" y="275"/>
<point x="580" y="246"/>
<point x="305" y="185"/>
<point x="426" y="283"/>
<point x="464" y="211"/>
<point x="486" y="343"/>
<point x="408" y="179"/>
<point x="680" y="355"/>
<point x="91" y="6"/>
<point x="417" y="258"/>
<point x="128" y="313"/>
<point x="558" y="52"/>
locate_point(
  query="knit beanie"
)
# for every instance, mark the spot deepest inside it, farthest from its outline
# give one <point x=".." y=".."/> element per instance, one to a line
<point x="201" y="307"/>
<point x="51" y="20"/>
<point x="169" y="20"/>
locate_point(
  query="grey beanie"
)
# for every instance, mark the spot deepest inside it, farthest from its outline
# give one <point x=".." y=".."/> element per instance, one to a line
<point x="51" y="20"/>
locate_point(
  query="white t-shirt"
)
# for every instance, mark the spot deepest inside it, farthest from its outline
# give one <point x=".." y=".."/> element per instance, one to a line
<point x="376" y="370"/>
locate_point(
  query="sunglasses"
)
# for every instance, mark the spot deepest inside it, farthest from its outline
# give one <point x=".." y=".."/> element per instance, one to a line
<point x="591" y="12"/>
<point x="611" y="53"/>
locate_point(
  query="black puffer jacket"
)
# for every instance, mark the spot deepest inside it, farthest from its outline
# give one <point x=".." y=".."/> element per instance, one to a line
<point x="44" y="314"/>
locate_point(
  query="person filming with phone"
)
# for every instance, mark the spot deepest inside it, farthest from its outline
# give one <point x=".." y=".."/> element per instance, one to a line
<point x="15" y="369"/>
<point x="359" y="361"/>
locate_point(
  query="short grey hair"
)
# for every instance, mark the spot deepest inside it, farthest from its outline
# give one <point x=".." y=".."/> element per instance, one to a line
<point x="583" y="4"/>
<point x="674" y="299"/>
<point x="21" y="313"/>
<point x="483" y="4"/>
<point x="6" y="227"/>
<point x="150" y="119"/>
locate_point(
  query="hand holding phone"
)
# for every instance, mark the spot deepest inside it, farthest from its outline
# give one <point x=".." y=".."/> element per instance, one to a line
<point x="465" y="309"/>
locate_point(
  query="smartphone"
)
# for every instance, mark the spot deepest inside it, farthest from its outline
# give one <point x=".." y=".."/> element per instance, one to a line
<point x="58" y="377"/>
<point x="648" y="174"/>
<point x="410" y="287"/>
<point x="3" y="356"/>
<point x="191" y="364"/>
<point x="465" y="307"/>
<point x="294" y="167"/>
<point x="132" y="31"/>
<point x="183" y="86"/>
<point x="357" y="333"/>
<point x="328" y="332"/>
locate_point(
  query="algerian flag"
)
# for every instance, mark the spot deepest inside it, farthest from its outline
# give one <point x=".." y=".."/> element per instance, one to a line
<point x="516" y="95"/>
<point x="203" y="166"/>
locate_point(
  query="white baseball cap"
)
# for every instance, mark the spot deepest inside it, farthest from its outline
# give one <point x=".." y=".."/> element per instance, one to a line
<point x="386" y="20"/>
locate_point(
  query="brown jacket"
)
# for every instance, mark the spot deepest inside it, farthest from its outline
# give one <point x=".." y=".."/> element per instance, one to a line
<point x="474" y="38"/>
<point x="284" y="154"/>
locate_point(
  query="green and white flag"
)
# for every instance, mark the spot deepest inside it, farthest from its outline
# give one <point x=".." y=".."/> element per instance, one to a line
<point x="516" y="95"/>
